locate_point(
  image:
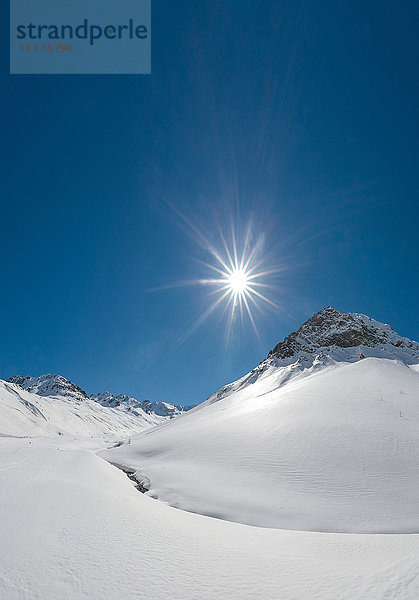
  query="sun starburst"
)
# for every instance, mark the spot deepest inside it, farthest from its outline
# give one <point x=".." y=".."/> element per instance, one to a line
<point x="242" y="278"/>
<point x="238" y="281"/>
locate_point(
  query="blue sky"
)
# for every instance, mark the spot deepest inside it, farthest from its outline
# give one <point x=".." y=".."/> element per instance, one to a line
<point x="302" y="114"/>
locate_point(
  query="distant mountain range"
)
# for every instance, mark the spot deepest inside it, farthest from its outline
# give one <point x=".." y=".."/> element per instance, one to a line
<point x="51" y="405"/>
<point x="57" y="385"/>
<point x="128" y="403"/>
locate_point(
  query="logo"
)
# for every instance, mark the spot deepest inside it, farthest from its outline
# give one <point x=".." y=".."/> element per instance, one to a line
<point x="50" y="36"/>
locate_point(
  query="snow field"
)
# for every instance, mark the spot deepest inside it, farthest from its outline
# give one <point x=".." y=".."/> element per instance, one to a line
<point x="74" y="527"/>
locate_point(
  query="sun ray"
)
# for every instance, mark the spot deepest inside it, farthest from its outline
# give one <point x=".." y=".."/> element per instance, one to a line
<point x="264" y="285"/>
<point x="238" y="275"/>
<point x="249" y="258"/>
<point x="184" y="283"/>
<point x="233" y="239"/>
<point x="262" y="297"/>
<point x="216" y="269"/>
<point x="241" y="310"/>
<point x="268" y="272"/>
<point x="201" y="319"/>
<point x="245" y="246"/>
<point x="228" y="253"/>
<point x="249" y="312"/>
<point x="253" y="301"/>
<point x="220" y="289"/>
<point x="230" y="322"/>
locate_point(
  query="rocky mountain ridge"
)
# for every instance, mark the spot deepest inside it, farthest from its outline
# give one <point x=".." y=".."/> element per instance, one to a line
<point x="49" y="385"/>
<point x="56" y="385"/>
<point x="330" y="328"/>
<point x="162" y="409"/>
<point x="328" y="337"/>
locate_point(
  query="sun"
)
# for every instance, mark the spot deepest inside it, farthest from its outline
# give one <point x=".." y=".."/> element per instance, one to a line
<point x="240" y="276"/>
<point x="238" y="281"/>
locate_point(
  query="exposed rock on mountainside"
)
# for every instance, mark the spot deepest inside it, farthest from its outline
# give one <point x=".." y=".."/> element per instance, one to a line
<point x="128" y="403"/>
<point x="329" y="336"/>
<point x="329" y="327"/>
<point x="49" y="385"/>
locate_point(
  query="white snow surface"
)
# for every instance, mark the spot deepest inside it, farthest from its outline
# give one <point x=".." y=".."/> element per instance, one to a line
<point x="324" y="440"/>
<point x="319" y="448"/>
<point x="334" y="449"/>
<point x="23" y="413"/>
<point x="53" y="386"/>
<point x="74" y="527"/>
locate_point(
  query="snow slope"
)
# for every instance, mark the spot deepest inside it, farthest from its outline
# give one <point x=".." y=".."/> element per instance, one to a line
<point x="320" y="440"/>
<point x="57" y="385"/>
<point x="23" y="413"/>
<point x="74" y="527"/>
<point x="52" y="405"/>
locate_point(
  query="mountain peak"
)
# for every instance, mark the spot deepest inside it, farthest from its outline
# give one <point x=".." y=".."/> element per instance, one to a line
<point x="128" y="403"/>
<point x="328" y="337"/>
<point x="330" y="328"/>
<point x="57" y="385"/>
<point x="49" y="385"/>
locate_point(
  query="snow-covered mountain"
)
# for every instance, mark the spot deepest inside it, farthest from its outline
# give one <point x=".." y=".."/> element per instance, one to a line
<point x="57" y="385"/>
<point x="23" y="413"/>
<point x="323" y="435"/>
<point x="320" y="439"/>
<point x="49" y="385"/>
<point x="128" y="403"/>
<point x="329" y="336"/>
<point x="330" y="330"/>
<point x="51" y="404"/>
